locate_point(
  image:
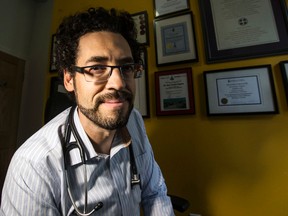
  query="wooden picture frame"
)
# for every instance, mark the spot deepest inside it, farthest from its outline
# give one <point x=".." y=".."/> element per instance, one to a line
<point x="174" y="92"/>
<point x="141" y="21"/>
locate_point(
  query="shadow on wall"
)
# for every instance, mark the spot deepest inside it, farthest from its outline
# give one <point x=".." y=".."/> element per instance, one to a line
<point x="219" y="175"/>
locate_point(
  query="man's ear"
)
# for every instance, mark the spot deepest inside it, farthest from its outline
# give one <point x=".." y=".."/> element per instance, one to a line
<point x="68" y="81"/>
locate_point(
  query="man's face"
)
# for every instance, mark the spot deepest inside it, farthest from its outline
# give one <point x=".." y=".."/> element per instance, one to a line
<point x="107" y="104"/>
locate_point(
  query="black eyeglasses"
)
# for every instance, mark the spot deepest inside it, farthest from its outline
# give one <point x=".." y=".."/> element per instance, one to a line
<point x="101" y="73"/>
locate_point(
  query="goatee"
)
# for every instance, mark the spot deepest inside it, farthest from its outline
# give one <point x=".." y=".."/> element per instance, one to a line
<point x="120" y="116"/>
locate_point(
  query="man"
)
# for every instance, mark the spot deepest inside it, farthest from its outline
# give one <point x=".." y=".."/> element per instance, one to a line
<point x="99" y="160"/>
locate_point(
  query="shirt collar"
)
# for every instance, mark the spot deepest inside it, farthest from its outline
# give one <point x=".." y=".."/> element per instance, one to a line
<point x="122" y="139"/>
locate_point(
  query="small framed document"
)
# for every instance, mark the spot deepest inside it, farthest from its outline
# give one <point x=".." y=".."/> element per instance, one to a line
<point x="174" y="92"/>
<point x="247" y="90"/>
<point x="141" y="101"/>
<point x="164" y="7"/>
<point x="284" y="72"/>
<point x="237" y="30"/>
<point x="53" y="54"/>
<point x="141" y="22"/>
<point x="175" y="40"/>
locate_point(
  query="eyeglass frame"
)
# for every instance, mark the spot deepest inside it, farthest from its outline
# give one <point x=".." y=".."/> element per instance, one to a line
<point x="83" y="70"/>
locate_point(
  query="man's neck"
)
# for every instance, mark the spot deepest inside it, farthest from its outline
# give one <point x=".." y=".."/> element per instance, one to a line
<point x="100" y="138"/>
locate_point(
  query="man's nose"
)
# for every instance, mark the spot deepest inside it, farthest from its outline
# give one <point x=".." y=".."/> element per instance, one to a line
<point x="116" y="79"/>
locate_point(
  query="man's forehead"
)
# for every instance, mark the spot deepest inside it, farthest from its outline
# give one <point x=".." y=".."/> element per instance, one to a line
<point x="104" y="46"/>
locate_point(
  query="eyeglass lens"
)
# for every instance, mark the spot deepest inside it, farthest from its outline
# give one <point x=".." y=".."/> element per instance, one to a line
<point x="101" y="73"/>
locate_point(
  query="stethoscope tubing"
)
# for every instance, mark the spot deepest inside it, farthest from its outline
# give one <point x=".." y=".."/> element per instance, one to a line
<point x="70" y="128"/>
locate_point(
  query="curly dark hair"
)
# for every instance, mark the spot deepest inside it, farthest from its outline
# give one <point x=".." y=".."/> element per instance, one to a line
<point x="92" y="20"/>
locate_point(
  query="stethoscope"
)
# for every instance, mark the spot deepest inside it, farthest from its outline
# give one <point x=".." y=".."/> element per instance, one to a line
<point x="67" y="146"/>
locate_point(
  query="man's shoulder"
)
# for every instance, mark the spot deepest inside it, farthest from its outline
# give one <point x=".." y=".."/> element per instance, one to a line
<point x="137" y="131"/>
<point x="45" y="141"/>
<point x="135" y="120"/>
<point x="135" y="115"/>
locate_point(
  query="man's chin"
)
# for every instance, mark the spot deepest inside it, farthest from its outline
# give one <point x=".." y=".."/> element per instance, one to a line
<point x="114" y="112"/>
<point x="113" y="121"/>
<point x="108" y="117"/>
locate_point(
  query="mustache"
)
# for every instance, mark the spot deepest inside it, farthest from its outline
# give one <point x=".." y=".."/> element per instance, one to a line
<point x="122" y="95"/>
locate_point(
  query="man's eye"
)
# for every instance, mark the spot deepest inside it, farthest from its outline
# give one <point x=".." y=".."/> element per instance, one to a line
<point x="127" y="68"/>
<point x="97" y="69"/>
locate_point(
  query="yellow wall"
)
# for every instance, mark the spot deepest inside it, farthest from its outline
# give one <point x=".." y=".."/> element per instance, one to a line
<point x="225" y="166"/>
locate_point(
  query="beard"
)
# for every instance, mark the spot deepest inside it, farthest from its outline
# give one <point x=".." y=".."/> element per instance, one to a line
<point x="117" y="119"/>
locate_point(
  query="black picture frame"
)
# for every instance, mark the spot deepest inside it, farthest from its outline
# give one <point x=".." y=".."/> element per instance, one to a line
<point x="229" y="37"/>
<point x="57" y="100"/>
<point x="175" y="39"/>
<point x="141" y="101"/>
<point x="52" y="67"/>
<point x="164" y="7"/>
<point x="239" y="91"/>
<point x="142" y="26"/>
<point x="56" y="86"/>
<point x="284" y="73"/>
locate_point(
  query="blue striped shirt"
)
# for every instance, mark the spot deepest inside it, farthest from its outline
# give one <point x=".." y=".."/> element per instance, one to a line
<point x="35" y="183"/>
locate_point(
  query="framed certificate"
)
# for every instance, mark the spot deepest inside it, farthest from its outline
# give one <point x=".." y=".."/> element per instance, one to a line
<point x="174" y="92"/>
<point x="141" y="101"/>
<point x="141" y="21"/>
<point x="234" y="30"/>
<point x="284" y="72"/>
<point x="247" y="90"/>
<point x="175" y="40"/>
<point x="164" y="7"/>
<point x="53" y="54"/>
